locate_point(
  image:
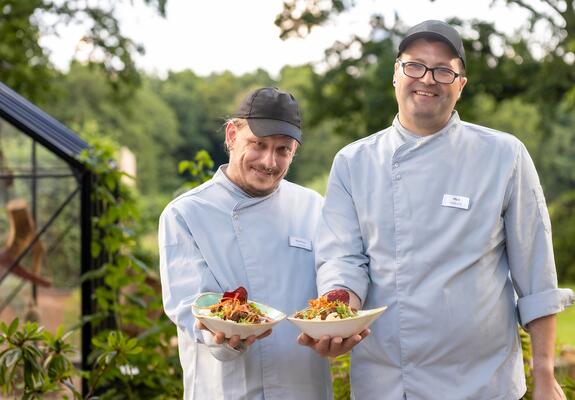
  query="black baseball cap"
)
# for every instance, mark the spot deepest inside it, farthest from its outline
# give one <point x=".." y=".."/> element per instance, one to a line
<point x="438" y="30"/>
<point x="270" y="111"/>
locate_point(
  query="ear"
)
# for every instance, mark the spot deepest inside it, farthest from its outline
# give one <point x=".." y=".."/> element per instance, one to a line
<point x="462" y="83"/>
<point x="231" y="134"/>
<point x="295" y="147"/>
<point x="395" y="73"/>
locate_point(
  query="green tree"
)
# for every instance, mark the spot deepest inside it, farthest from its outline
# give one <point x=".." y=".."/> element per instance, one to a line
<point x="202" y="104"/>
<point x="513" y="116"/>
<point x="298" y="18"/>
<point x="25" y="65"/>
<point x="320" y="144"/>
<point x="144" y="123"/>
<point x="510" y="88"/>
<point x="558" y="149"/>
<point x="180" y="92"/>
<point x="543" y="81"/>
<point x="558" y="16"/>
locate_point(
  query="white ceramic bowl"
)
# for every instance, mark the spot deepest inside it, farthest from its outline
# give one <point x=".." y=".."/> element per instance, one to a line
<point x="340" y="327"/>
<point x="201" y="311"/>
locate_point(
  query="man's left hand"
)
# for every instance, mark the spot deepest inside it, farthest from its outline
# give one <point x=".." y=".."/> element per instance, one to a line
<point x="234" y="341"/>
<point x="332" y="346"/>
<point x="542" y="332"/>
<point x="547" y="388"/>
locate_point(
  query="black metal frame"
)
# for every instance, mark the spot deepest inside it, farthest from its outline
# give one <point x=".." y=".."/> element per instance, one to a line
<point x="66" y="145"/>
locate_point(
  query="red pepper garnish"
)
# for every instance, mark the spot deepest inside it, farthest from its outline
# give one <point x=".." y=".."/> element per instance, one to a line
<point x="241" y="294"/>
<point x="338" y="294"/>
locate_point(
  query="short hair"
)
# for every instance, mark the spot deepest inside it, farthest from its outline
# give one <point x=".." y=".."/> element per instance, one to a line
<point x="239" y="123"/>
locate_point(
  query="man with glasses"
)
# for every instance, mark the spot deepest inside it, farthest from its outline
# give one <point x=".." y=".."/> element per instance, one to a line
<point x="445" y="222"/>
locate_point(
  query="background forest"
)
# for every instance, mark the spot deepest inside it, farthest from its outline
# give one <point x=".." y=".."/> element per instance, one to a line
<point x="516" y="84"/>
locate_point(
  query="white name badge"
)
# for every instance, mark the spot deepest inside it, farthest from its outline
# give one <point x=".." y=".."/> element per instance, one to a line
<point x="451" y="200"/>
<point x="300" y="242"/>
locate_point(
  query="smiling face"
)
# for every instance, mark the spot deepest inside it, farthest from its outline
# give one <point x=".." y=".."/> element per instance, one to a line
<point x="257" y="164"/>
<point x="425" y="106"/>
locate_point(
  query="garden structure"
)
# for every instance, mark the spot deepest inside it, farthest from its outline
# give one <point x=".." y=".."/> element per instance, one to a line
<point x="46" y="214"/>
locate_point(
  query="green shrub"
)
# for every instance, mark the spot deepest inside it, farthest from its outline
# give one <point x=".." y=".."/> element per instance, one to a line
<point x="562" y="213"/>
<point x="34" y="363"/>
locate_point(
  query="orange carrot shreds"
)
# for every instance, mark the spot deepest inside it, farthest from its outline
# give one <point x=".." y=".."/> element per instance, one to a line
<point x="322" y="309"/>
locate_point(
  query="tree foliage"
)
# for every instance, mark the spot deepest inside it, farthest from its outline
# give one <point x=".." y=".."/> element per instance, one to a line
<point x="202" y="104"/>
<point x="145" y="123"/>
<point x="25" y="64"/>
<point x="297" y="18"/>
<point x="501" y="72"/>
<point x="562" y="213"/>
<point x="506" y="73"/>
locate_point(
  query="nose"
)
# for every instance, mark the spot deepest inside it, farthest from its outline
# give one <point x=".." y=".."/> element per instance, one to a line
<point x="427" y="78"/>
<point x="269" y="159"/>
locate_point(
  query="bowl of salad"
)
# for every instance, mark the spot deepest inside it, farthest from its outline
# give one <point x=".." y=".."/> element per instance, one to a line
<point x="331" y="315"/>
<point x="232" y="313"/>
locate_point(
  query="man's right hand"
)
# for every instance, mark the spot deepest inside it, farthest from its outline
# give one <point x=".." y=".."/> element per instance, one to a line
<point x="332" y="346"/>
<point x="234" y="341"/>
<point x="328" y="346"/>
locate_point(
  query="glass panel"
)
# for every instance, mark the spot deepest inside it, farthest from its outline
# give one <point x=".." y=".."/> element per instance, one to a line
<point x="34" y="188"/>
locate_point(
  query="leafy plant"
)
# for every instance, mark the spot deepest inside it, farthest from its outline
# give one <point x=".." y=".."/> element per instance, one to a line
<point x="33" y="362"/>
<point x="137" y="359"/>
<point x="340" y="377"/>
<point x="197" y="171"/>
<point x="111" y="360"/>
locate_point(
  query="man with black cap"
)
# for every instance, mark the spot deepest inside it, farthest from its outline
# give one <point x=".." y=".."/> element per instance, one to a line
<point x="246" y="227"/>
<point x="440" y="220"/>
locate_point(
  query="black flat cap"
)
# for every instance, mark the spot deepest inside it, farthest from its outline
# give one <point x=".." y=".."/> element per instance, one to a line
<point x="270" y="111"/>
<point x="438" y="30"/>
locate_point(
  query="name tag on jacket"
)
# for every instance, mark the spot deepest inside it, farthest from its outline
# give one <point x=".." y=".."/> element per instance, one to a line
<point x="451" y="200"/>
<point x="300" y="242"/>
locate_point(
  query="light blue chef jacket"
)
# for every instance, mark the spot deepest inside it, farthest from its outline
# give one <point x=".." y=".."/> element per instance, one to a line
<point x="441" y="229"/>
<point x="215" y="238"/>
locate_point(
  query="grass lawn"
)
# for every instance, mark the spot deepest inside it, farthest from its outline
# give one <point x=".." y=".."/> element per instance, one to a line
<point x="566" y="322"/>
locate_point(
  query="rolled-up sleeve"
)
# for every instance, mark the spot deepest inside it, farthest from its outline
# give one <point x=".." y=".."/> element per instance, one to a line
<point x="340" y="255"/>
<point x="529" y="245"/>
<point x="185" y="274"/>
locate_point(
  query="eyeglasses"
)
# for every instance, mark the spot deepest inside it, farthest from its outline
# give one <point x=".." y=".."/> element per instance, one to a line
<point x="418" y="70"/>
